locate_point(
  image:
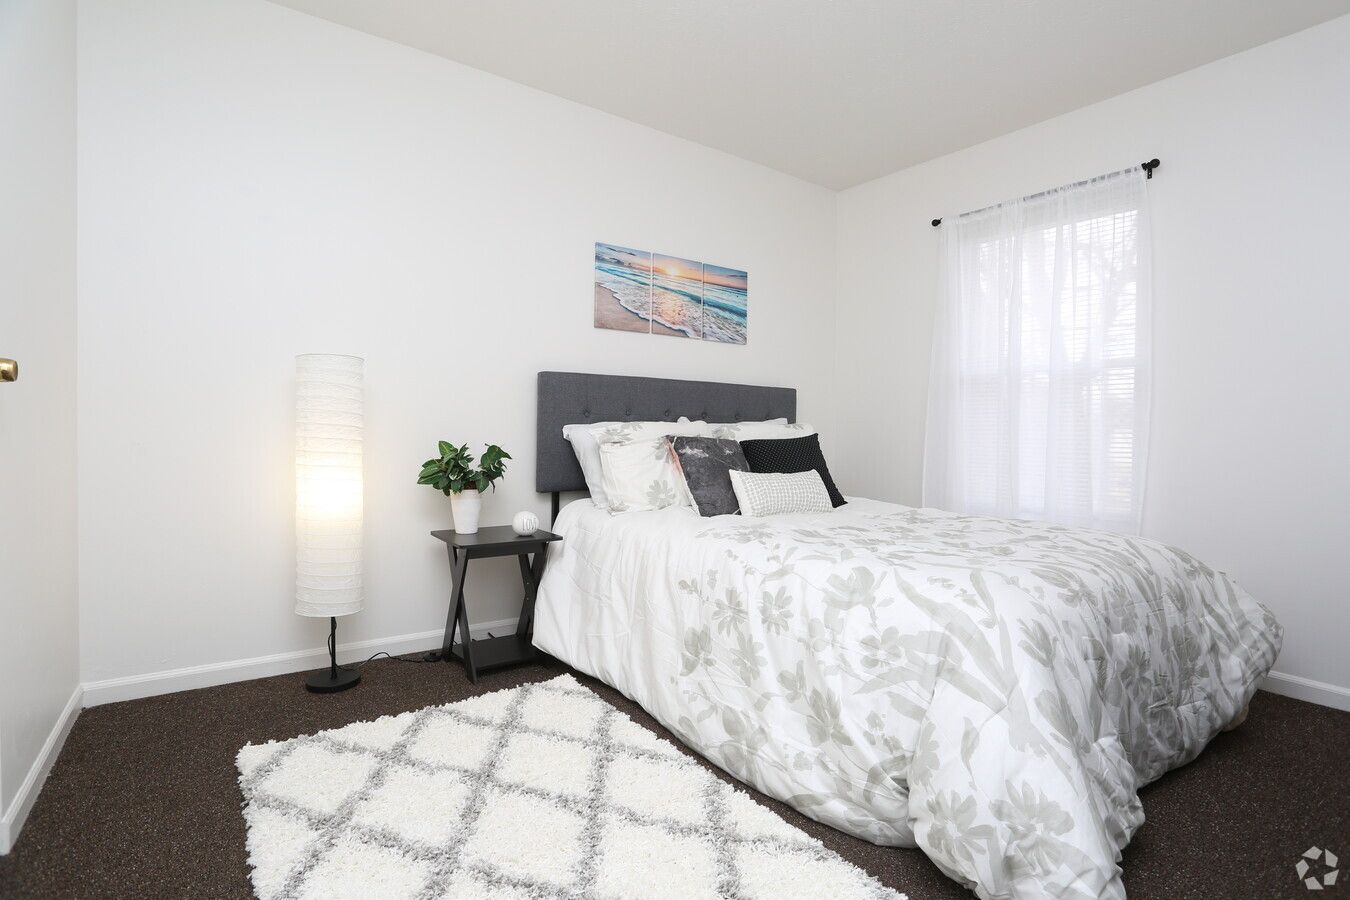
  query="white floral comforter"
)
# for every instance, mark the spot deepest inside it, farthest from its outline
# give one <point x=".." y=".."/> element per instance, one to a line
<point x="993" y="691"/>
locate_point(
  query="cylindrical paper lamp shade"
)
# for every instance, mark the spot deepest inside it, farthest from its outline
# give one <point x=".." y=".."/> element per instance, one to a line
<point x="328" y="429"/>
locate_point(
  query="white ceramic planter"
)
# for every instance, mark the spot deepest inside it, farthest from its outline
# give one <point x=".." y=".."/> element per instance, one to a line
<point x="466" y="505"/>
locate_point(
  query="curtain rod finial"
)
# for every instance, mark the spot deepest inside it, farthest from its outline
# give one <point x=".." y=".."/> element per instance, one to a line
<point x="1149" y="166"/>
<point x="937" y="222"/>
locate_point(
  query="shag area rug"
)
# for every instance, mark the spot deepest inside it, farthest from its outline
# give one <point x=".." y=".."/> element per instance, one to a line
<point x="543" y="790"/>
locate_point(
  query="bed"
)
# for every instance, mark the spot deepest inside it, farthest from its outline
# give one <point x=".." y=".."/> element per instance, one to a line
<point x="992" y="691"/>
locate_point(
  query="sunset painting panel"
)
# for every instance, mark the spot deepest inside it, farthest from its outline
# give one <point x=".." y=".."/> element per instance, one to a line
<point x="677" y="296"/>
<point x="726" y="304"/>
<point x="623" y="288"/>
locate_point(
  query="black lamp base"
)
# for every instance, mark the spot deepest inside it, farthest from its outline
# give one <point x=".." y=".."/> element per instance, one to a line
<point x="326" y="681"/>
<point x="331" y="679"/>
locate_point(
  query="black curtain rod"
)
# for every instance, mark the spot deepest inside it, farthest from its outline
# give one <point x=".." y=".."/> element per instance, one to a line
<point x="1148" y="168"/>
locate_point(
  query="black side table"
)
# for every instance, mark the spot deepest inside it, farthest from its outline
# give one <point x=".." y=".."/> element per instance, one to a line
<point x="499" y="540"/>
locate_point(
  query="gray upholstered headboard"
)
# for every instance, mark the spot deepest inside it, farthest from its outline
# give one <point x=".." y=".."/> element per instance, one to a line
<point x="566" y="398"/>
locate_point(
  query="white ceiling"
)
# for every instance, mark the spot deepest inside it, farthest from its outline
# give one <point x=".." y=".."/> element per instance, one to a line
<point x="833" y="91"/>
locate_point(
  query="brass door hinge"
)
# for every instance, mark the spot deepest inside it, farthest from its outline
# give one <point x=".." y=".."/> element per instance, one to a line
<point x="9" y="370"/>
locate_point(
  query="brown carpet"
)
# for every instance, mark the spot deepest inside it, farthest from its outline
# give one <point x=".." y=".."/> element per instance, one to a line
<point x="143" y="800"/>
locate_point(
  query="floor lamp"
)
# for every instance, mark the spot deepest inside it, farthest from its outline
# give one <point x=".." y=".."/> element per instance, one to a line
<point x="328" y="499"/>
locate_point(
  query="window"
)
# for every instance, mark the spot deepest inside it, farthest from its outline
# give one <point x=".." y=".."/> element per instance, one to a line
<point x="1038" y="404"/>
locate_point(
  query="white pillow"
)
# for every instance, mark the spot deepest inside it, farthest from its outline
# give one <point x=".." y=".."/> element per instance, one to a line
<point x="585" y="440"/>
<point x="773" y="429"/>
<point x="727" y="429"/>
<point x="609" y="432"/>
<point x="641" y="475"/>
<point x="772" y="493"/>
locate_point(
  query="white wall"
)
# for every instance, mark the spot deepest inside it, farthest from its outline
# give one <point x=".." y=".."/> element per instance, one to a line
<point x="256" y="183"/>
<point x="1251" y="428"/>
<point x="39" y="642"/>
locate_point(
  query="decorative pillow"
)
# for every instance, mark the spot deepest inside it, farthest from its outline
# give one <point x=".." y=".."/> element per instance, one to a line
<point x="585" y="440"/>
<point x="772" y="493"/>
<point x="703" y="463"/>
<point x="640" y="474"/>
<point x="791" y="455"/>
<point x="746" y="431"/>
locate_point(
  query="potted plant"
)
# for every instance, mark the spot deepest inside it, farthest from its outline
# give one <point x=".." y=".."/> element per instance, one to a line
<point x="453" y="473"/>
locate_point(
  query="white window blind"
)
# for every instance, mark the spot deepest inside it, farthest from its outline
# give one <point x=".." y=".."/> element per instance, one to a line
<point x="1039" y="397"/>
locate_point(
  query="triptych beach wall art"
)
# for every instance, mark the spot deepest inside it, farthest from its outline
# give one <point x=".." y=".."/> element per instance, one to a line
<point x="651" y="293"/>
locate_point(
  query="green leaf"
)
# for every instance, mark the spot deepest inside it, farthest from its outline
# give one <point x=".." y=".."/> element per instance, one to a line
<point x="454" y="470"/>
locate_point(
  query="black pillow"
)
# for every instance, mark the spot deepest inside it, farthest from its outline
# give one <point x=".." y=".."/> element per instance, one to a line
<point x="704" y="462"/>
<point x="790" y="456"/>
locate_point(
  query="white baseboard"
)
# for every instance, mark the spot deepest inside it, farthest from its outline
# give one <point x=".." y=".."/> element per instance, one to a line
<point x="133" y="687"/>
<point x="22" y="804"/>
<point x="1301" y="688"/>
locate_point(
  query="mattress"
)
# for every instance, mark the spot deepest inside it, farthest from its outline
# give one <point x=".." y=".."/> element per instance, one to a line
<point x="992" y="691"/>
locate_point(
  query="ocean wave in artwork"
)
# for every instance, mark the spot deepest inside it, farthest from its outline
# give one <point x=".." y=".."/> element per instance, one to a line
<point x="677" y="294"/>
<point x="632" y="289"/>
<point x="726" y="305"/>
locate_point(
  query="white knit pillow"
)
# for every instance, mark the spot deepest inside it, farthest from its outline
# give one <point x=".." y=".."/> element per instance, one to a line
<point x="774" y="493"/>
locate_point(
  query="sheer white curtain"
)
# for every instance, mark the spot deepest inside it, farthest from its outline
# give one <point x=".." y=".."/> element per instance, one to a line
<point x="1039" y="397"/>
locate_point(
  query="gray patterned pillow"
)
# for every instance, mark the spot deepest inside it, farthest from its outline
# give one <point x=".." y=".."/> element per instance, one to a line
<point x="705" y="463"/>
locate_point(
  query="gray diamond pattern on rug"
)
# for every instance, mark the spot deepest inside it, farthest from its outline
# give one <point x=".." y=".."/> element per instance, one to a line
<point x="543" y="790"/>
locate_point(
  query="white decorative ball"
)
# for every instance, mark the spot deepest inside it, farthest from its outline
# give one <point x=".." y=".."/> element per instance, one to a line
<point x="525" y="523"/>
